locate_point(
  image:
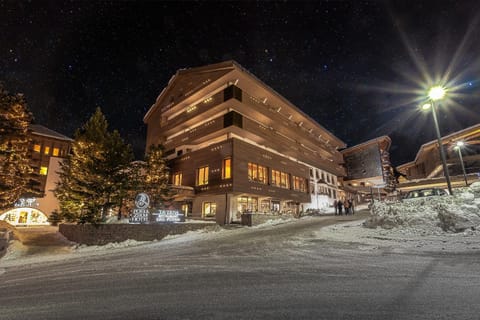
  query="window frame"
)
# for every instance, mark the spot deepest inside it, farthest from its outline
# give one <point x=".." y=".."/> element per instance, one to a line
<point x="202" y="172"/>
<point x="281" y="179"/>
<point x="177" y="178"/>
<point x="257" y="173"/>
<point x="227" y="168"/>
<point x="211" y="205"/>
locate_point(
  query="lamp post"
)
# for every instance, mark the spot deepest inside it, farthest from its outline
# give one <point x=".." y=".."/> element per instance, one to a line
<point x="459" y="146"/>
<point x="437" y="93"/>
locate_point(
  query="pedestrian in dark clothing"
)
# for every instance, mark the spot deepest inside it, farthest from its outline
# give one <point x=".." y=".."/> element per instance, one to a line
<point x="347" y="207"/>
<point x="340" y="207"/>
<point x="335" y="206"/>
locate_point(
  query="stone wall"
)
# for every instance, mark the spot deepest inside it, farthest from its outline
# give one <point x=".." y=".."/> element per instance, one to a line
<point x="5" y="236"/>
<point x="106" y="233"/>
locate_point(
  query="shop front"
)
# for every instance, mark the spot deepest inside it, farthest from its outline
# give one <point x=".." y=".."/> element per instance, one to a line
<point x="266" y="205"/>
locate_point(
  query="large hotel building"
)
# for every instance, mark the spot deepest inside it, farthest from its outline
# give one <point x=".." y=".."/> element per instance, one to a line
<point x="235" y="145"/>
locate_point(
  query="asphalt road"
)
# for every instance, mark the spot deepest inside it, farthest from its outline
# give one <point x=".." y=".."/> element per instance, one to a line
<point x="283" y="272"/>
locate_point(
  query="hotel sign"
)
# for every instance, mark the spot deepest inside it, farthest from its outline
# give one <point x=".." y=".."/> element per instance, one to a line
<point x="26" y="202"/>
<point x="143" y="214"/>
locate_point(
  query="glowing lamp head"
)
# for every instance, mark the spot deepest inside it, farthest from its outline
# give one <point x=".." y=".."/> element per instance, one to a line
<point x="436" y="93"/>
<point x="460" y="144"/>
<point x="426" y="106"/>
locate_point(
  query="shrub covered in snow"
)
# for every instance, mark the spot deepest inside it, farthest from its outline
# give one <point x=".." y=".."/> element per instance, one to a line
<point x="455" y="213"/>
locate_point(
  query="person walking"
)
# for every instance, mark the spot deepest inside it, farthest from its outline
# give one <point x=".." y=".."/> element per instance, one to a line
<point x="335" y="206"/>
<point x="347" y="207"/>
<point x="340" y="206"/>
<point x="352" y="207"/>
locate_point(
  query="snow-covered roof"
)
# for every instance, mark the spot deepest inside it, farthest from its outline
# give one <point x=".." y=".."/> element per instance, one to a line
<point x="44" y="131"/>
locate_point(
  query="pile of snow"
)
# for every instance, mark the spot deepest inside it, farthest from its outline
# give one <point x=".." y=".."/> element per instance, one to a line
<point x="456" y="213"/>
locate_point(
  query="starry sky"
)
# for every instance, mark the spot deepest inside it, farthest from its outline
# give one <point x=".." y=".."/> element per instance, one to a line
<point x="359" y="68"/>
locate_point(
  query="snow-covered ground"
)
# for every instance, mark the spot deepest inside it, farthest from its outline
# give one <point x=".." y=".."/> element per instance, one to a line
<point x="449" y="223"/>
<point x="440" y="223"/>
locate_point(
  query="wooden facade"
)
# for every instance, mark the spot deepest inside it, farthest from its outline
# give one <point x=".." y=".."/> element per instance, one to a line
<point x="221" y="115"/>
<point x="426" y="169"/>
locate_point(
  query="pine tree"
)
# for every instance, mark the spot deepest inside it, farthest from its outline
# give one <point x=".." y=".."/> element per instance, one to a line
<point x="93" y="179"/>
<point x="15" y="167"/>
<point x="157" y="176"/>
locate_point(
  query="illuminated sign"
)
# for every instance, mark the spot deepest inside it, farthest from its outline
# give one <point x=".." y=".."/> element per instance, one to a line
<point x="169" y="216"/>
<point x="142" y="200"/>
<point x="26" y="203"/>
<point x="143" y="214"/>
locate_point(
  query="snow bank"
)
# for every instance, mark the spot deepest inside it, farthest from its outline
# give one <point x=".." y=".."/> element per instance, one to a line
<point x="455" y="213"/>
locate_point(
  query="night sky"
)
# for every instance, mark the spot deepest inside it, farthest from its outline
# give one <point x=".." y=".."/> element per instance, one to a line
<point x="360" y="69"/>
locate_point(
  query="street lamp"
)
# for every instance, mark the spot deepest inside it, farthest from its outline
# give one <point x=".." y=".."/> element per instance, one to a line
<point x="459" y="146"/>
<point x="437" y="93"/>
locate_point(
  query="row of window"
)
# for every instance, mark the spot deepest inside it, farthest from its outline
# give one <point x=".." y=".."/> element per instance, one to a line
<point x="46" y="150"/>
<point x="259" y="173"/>
<point x="256" y="172"/>
<point x="202" y="174"/>
<point x="319" y="174"/>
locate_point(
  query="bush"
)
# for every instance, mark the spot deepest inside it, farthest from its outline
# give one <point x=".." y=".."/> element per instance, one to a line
<point x="55" y="218"/>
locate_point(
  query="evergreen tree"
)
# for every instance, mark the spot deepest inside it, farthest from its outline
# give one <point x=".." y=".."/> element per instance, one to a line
<point x="15" y="170"/>
<point x="156" y="174"/>
<point x="94" y="177"/>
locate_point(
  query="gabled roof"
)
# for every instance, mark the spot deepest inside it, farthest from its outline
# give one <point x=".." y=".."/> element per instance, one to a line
<point x="180" y="87"/>
<point x="44" y="131"/>
<point x="453" y="137"/>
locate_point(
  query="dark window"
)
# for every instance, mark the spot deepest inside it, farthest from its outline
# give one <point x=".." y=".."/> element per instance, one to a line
<point x="233" y="119"/>
<point x="169" y="152"/>
<point x="232" y="92"/>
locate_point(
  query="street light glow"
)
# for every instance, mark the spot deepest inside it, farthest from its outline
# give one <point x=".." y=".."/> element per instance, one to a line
<point x="460" y="143"/>
<point x="426" y="106"/>
<point x="436" y="93"/>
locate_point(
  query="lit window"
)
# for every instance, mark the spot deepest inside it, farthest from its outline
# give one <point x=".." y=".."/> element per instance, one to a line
<point x="36" y="148"/>
<point x="202" y="176"/>
<point x="55" y="152"/>
<point x="43" y="171"/>
<point x="280" y="179"/>
<point x="209" y="209"/>
<point x="177" y="179"/>
<point x="46" y="150"/>
<point x="299" y="184"/>
<point x="257" y="173"/>
<point x="227" y="168"/>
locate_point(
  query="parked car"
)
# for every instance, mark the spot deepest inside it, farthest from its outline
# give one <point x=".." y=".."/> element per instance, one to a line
<point x="425" y="192"/>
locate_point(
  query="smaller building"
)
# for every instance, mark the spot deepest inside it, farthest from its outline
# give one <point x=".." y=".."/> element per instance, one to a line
<point x="368" y="169"/>
<point x="427" y="171"/>
<point x="48" y="148"/>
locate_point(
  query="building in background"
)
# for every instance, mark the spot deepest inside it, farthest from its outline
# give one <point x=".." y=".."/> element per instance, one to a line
<point x="235" y="145"/>
<point x="426" y="170"/>
<point x="368" y="170"/>
<point x="47" y="149"/>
